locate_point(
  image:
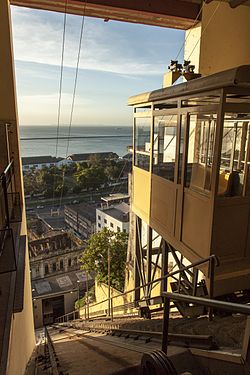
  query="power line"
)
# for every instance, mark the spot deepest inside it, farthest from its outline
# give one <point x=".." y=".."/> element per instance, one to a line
<point x="60" y="92"/>
<point x="74" y="95"/>
<point x="204" y="29"/>
<point x="191" y="28"/>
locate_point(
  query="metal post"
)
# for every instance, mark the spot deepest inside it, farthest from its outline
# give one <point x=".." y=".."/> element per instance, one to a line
<point x="87" y="290"/>
<point x="149" y="258"/>
<point x="165" y="325"/>
<point x="164" y="266"/>
<point x="111" y="308"/>
<point x="137" y="258"/>
<point x="5" y="193"/>
<point x="109" y="281"/>
<point x="211" y="286"/>
<point x="78" y="296"/>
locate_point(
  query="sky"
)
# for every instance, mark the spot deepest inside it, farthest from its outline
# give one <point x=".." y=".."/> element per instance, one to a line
<point x="117" y="60"/>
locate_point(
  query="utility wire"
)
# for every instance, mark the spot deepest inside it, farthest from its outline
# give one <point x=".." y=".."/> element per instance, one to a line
<point x="74" y="95"/>
<point x="204" y="29"/>
<point x="60" y="91"/>
<point x="191" y="28"/>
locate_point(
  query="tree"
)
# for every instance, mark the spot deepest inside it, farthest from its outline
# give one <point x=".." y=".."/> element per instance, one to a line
<point x="91" y="178"/>
<point x="95" y="256"/>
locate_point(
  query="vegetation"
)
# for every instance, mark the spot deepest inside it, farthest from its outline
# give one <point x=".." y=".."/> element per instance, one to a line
<point x="73" y="178"/>
<point x="95" y="256"/>
<point x="83" y="301"/>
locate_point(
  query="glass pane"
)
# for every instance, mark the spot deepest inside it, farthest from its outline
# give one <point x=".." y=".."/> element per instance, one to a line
<point x="142" y="142"/>
<point x="181" y="147"/>
<point x="165" y="132"/>
<point x="233" y="155"/>
<point x="200" y="151"/>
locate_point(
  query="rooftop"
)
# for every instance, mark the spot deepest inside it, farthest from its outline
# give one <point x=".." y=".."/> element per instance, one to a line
<point x="58" y="283"/>
<point x="236" y="77"/>
<point x="115" y="197"/>
<point x="119" y="212"/>
<point x="87" y="156"/>
<point x="40" y="160"/>
<point x="54" y="241"/>
<point x="84" y="210"/>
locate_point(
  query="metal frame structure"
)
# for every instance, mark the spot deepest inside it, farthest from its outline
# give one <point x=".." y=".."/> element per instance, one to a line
<point x="197" y="220"/>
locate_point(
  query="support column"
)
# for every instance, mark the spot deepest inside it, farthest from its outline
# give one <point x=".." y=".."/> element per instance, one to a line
<point x="5" y="154"/>
<point x="164" y="266"/>
<point x="149" y="257"/>
<point x="137" y="257"/>
<point x="8" y="106"/>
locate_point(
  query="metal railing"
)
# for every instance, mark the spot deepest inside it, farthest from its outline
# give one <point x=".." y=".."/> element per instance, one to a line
<point x="210" y="303"/>
<point x="129" y="308"/>
<point x="10" y="212"/>
<point x="9" y="199"/>
<point x="55" y="366"/>
<point x="69" y="316"/>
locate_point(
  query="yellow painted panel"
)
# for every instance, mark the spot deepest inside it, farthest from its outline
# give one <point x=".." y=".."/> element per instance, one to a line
<point x="163" y="202"/>
<point x="141" y="193"/>
<point x="196" y="225"/>
<point x="217" y="19"/>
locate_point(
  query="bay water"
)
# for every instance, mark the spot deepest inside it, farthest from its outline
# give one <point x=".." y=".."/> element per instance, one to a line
<point x="41" y="140"/>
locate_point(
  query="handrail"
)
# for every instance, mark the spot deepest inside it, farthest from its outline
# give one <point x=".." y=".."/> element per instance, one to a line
<point x="211" y="303"/>
<point x="212" y="260"/>
<point x="216" y="304"/>
<point x="9" y="166"/>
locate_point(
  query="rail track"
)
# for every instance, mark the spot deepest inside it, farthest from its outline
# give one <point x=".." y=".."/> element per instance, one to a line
<point x="205" y="342"/>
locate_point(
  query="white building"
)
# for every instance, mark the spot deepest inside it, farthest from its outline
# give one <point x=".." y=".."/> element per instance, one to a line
<point x="39" y="162"/>
<point x="114" y="217"/>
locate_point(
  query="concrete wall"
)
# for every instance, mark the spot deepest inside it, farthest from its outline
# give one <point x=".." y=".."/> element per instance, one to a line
<point x="116" y="223"/>
<point x="69" y="302"/>
<point x="221" y="40"/>
<point x="22" y="340"/>
<point x="69" y="306"/>
<point x="225" y="42"/>
<point x="38" y="313"/>
<point x="192" y="46"/>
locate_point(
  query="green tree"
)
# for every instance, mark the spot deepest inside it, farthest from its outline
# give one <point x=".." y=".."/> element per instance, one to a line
<point x="91" y="178"/>
<point x="95" y="256"/>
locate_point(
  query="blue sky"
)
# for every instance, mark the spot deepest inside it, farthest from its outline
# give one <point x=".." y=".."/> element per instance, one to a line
<point x="117" y="60"/>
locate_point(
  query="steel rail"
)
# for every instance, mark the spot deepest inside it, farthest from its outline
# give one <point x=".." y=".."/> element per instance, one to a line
<point x="212" y="260"/>
<point x="211" y="303"/>
<point x="222" y="305"/>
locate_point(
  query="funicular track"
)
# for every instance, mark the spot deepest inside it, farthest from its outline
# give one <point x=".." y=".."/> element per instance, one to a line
<point x="205" y="342"/>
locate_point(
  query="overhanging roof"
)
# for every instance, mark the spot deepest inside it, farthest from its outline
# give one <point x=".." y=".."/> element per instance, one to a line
<point x="179" y="14"/>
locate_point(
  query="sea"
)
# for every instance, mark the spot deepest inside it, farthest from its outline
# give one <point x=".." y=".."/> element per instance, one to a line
<point x="42" y="140"/>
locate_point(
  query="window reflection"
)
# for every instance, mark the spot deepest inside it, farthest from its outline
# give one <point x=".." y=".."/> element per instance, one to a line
<point x="200" y="151"/>
<point x="233" y="155"/>
<point x="142" y="143"/>
<point x="165" y="133"/>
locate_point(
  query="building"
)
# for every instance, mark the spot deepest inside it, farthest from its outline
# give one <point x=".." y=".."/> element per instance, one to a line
<point x="81" y="158"/>
<point x="39" y="162"/>
<point x="81" y="218"/>
<point x="114" y="199"/>
<point x="57" y="281"/>
<point x="114" y="217"/>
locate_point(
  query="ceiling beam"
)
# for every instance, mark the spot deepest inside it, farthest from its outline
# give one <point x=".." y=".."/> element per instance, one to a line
<point x="179" y="14"/>
<point x="236" y="3"/>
